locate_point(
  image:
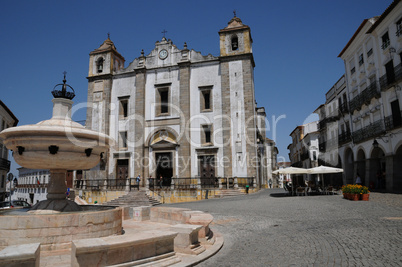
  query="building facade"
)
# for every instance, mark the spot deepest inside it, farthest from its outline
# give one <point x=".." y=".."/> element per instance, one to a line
<point x="303" y="151"/>
<point x="361" y="120"/>
<point x="178" y="113"/>
<point x="32" y="185"/>
<point x="7" y="119"/>
<point x="373" y="71"/>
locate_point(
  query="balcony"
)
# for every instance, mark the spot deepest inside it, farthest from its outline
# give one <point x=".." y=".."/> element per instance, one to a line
<point x="304" y="156"/>
<point x="392" y="123"/>
<point x="388" y="80"/>
<point x="372" y="91"/>
<point x="343" y="108"/>
<point x="344" y="138"/>
<point x="374" y="129"/>
<point x="355" y="103"/>
<point x="322" y="146"/>
<point x="4" y="165"/>
<point x="322" y="124"/>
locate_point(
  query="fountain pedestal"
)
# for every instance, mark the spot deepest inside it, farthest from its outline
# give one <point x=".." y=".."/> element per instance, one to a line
<point x="56" y="196"/>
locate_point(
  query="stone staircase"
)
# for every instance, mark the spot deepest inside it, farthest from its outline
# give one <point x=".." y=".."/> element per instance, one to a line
<point x="231" y="193"/>
<point x="134" y="198"/>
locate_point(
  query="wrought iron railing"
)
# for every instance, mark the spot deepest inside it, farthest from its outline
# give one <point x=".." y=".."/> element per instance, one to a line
<point x="344" y="138"/>
<point x="244" y="181"/>
<point x="355" y="103"/>
<point x="322" y="146"/>
<point x="343" y="108"/>
<point x="392" y="123"/>
<point x="388" y="80"/>
<point x="322" y="124"/>
<point x="370" y="131"/>
<point x="185" y="183"/>
<point x="101" y="184"/>
<point x="4" y="164"/>
<point x="209" y="182"/>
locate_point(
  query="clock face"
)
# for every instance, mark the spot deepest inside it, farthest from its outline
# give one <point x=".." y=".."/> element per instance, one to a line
<point x="163" y="54"/>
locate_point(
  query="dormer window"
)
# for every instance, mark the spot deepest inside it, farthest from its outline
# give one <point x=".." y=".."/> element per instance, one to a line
<point x="99" y="65"/>
<point x="235" y="43"/>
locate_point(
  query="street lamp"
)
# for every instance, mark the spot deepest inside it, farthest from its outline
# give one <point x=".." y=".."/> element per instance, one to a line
<point x="375" y="143"/>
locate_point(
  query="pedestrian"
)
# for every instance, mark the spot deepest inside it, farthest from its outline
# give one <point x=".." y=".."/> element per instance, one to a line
<point x="151" y="181"/>
<point x="138" y="179"/>
<point x="160" y="181"/>
<point x="358" y="179"/>
<point x="270" y="183"/>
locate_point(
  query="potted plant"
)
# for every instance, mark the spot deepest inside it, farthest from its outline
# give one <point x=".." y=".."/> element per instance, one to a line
<point x="345" y="191"/>
<point x="364" y="193"/>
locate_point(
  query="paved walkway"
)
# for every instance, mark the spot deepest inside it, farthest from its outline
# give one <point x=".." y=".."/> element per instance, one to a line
<point x="270" y="229"/>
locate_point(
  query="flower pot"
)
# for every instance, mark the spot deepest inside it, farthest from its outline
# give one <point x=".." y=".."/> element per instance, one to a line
<point x="355" y="197"/>
<point x="365" y="197"/>
<point x="345" y="196"/>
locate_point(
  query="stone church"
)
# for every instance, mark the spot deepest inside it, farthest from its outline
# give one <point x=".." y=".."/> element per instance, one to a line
<point x="178" y="113"/>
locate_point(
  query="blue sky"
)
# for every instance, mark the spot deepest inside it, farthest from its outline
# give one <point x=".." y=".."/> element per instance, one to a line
<point x="296" y="44"/>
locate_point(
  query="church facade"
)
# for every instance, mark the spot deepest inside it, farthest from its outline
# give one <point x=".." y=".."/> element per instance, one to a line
<point x="178" y="113"/>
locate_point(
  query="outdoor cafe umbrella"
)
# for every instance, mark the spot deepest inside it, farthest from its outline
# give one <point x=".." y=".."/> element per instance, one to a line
<point x="291" y="170"/>
<point x="322" y="170"/>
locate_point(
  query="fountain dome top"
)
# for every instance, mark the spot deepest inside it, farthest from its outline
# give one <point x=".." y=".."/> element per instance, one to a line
<point x="63" y="93"/>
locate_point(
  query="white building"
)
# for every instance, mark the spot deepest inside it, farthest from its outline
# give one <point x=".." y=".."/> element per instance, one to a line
<point x="304" y="150"/>
<point x="7" y="119"/>
<point x="178" y="113"/>
<point x="32" y="185"/>
<point x="373" y="80"/>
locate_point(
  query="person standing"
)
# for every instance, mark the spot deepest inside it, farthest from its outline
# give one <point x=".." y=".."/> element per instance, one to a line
<point x="138" y="179"/>
<point x="358" y="179"/>
<point x="160" y="181"/>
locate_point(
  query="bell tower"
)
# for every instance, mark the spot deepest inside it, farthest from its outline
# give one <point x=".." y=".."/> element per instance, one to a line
<point x="104" y="62"/>
<point x="235" y="39"/>
<point x="238" y="98"/>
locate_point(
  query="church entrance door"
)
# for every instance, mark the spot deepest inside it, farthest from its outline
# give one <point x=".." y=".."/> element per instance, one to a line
<point x="164" y="167"/>
<point x="207" y="165"/>
<point x="122" y="169"/>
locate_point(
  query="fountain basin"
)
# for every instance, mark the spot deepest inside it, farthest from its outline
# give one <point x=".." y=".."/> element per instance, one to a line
<point x="51" y="230"/>
<point x="77" y="147"/>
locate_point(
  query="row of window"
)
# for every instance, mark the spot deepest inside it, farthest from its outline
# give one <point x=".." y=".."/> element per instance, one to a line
<point x="163" y="104"/>
<point x="385" y="43"/>
<point x="206" y="137"/>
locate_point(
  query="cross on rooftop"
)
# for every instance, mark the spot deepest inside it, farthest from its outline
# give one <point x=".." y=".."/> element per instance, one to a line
<point x="164" y="32"/>
<point x="234" y="12"/>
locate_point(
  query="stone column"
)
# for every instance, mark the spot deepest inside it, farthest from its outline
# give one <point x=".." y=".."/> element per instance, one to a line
<point x="185" y="148"/>
<point x="139" y="124"/>
<point x="389" y="166"/>
<point x="249" y="112"/>
<point x="226" y="124"/>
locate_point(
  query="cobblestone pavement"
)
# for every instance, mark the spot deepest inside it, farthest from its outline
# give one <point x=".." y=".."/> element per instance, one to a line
<point x="270" y="229"/>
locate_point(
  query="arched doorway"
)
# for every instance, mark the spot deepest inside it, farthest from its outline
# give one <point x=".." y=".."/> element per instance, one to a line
<point x="361" y="166"/>
<point x="377" y="169"/>
<point x="349" y="166"/>
<point x="397" y="177"/>
<point x="163" y="154"/>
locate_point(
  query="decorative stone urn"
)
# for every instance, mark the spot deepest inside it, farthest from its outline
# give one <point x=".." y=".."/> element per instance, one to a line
<point x="58" y="144"/>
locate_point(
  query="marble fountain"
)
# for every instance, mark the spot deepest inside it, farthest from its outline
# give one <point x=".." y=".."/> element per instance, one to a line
<point x="88" y="235"/>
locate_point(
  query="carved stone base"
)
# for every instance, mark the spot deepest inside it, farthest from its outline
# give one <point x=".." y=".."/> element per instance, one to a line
<point x="55" y="206"/>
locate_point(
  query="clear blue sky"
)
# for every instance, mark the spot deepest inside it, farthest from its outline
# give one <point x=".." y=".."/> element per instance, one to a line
<point x="296" y="44"/>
